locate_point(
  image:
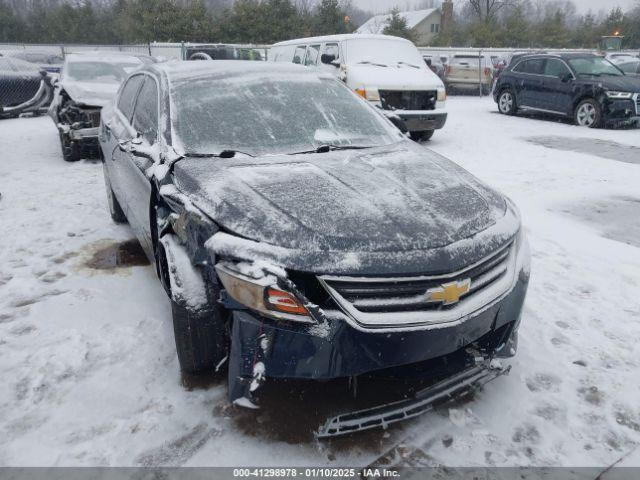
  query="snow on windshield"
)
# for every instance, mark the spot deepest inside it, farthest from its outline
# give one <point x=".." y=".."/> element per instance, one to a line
<point x="383" y="51"/>
<point x="99" y="72"/>
<point x="257" y="114"/>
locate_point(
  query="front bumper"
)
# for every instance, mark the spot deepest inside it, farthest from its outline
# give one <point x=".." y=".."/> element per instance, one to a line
<point x="286" y="351"/>
<point x="617" y="111"/>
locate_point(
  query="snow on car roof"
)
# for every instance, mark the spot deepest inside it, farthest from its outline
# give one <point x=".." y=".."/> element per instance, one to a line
<point x="178" y="71"/>
<point x="106" y="57"/>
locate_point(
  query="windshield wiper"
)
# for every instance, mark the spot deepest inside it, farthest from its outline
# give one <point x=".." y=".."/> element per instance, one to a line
<point x="332" y="148"/>
<point x="409" y="64"/>
<point x="367" y="62"/>
<point x="222" y="154"/>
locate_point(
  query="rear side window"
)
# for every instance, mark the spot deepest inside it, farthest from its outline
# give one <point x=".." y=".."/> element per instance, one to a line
<point x="332" y="49"/>
<point x="145" y="117"/>
<point x="534" y="66"/>
<point x="128" y="95"/>
<point x="313" y="52"/>
<point x="556" y="68"/>
<point x="298" y="56"/>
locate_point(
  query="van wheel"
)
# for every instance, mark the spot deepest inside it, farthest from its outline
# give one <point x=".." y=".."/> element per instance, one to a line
<point x="421" y="136"/>
<point x="588" y="113"/>
<point x="507" y="103"/>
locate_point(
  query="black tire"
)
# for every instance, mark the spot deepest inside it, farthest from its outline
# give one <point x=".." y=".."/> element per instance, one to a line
<point x="117" y="214"/>
<point x="588" y="113"/>
<point x="71" y="151"/>
<point x="202" y="337"/>
<point x="507" y="104"/>
<point x="421" y="136"/>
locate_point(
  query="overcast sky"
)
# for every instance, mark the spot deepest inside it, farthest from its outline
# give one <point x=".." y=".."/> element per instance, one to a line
<point x="583" y="5"/>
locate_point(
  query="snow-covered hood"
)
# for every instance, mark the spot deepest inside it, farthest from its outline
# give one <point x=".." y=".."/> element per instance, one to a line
<point x="383" y="203"/>
<point x="90" y="93"/>
<point x="402" y="77"/>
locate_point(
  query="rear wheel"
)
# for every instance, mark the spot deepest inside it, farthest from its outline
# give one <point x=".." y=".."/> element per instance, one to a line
<point x="507" y="103"/>
<point x="421" y="136"/>
<point x="588" y="113"/>
<point x="117" y="214"/>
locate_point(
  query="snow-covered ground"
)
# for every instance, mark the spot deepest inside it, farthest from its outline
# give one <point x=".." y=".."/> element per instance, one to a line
<point x="87" y="359"/>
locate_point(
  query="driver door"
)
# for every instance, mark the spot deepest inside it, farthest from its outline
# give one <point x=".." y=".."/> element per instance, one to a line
<point x="557" y="89"/>
<point x="140" y="157"/>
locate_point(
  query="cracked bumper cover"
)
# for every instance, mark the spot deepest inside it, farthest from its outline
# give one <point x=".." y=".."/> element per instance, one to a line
<point x="288" y="351"/>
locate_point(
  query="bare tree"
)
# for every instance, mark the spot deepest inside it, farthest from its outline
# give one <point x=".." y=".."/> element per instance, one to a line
<point x="487" y="9"/>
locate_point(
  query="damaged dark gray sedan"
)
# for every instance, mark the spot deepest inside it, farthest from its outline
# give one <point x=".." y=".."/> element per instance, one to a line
<point x="300" y="235"/>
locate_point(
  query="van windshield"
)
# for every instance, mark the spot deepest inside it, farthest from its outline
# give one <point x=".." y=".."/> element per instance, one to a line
<point x="272" y="113"/>
<point x="383" y="52"/>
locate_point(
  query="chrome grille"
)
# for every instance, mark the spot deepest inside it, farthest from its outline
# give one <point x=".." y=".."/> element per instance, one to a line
<point x="637" y="103"/>
<point x="94" y="117"/>
<point x="388" y="302"/>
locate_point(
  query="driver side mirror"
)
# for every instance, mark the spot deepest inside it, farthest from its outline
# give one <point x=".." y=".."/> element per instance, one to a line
<point x="135" y="148"/>
<point x="328" y="59"/>
<point x="566" y="77"/>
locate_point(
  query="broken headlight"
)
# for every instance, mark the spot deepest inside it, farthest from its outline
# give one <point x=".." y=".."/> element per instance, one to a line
<point x="259" y="290"/>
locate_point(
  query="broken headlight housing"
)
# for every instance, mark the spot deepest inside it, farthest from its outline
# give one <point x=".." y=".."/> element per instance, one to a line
<point x="259" y="290"/>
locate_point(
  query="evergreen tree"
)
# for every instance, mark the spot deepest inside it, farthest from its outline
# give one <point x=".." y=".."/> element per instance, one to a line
<point x="397" y="26"/>
<point x="331" y="18"/>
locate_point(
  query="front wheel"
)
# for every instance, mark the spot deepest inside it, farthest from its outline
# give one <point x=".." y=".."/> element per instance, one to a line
<point x="588" y="113"/>
<point x="423" y="136"/>
<point x="507" y="103"/>
<point x="71" y="151"/>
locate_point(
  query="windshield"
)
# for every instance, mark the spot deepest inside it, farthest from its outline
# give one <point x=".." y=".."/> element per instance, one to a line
<point x="596" y="66"/>
<point x="631" y="67"/>
<point x="387" y="52"/>
<point x="272" y="114"/>
<point x="99" y="72"/>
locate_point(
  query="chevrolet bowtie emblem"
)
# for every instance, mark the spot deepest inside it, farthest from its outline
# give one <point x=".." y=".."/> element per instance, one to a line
<point x="449" y="293"/>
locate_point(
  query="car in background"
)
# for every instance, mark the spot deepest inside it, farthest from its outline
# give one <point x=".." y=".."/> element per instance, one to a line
<point x="221" y="52"/>
<point x="24" y="88"/>
<point x="389" y="72"/>
<point x="469" y="72"/>
<point x="48" y="61"/>
<point x="88" y="81"/>
<point x="620" y="57"/>
<point x="314" y="250"/>
<point x="585" y="87"/>
<point x="630" y="67"/>
<point x="436" y="65"/>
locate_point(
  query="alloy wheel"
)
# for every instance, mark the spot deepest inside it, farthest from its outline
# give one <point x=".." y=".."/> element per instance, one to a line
<point x="586" y="115"/>
<point x="506" y="102"/>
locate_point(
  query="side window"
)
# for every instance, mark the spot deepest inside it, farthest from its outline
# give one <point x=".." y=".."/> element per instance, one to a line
<point x="145" y="117"/>
<point x="535" y="66"/>
<point x="555" y="68"/>
<point x="313" y="52"/>
<point x="128" y="95"/>
<point x="332" y="49"/>
<point x="298" y="56"/>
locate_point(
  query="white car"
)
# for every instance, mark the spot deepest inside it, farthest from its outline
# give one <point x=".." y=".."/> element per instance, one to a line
<point x="387" y="71"/>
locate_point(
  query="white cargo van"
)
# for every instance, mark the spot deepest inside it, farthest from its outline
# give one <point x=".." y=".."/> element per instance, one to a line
<point x="387" y="71"/>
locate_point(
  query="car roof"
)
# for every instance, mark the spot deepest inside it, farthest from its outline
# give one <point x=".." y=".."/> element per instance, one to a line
<point x="182" y="70"/>
<point x="339" y="38"/>
<point x="106" y="57"/>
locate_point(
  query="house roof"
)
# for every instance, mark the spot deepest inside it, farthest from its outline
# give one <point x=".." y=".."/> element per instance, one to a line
<point x="378" y="23"/>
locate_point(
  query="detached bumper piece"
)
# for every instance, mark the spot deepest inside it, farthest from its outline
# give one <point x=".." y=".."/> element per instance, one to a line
<point x="461" y="383"/>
